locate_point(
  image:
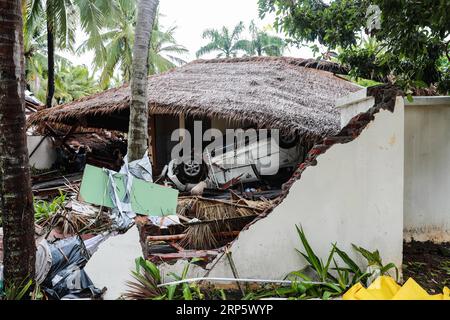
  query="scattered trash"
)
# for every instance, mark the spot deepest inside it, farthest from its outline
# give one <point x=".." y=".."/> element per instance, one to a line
<point x="66" y="277"/>
<point x="385" y="288"/>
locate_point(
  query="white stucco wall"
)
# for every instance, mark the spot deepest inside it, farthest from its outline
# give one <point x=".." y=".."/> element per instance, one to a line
<point x="44" y="156"/>
<point x="353" y="195"/>
<point x="427" y="169"/>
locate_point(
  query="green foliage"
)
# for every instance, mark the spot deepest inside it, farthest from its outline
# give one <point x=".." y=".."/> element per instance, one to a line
<point x="323" y="283"/>
<point x="413" y="36"/>
<point x="71" y="83"/>
<point x="374" y="259"/>
<point x="114" y="45"/>
<point x="147" y="278"/>
<point x="230" y="43"/>
<point x="332" y="24"/>
<point x="227" y="42"/>
<point x="262" y="43"/>
<point x="361" y="81"/>
<point x="17" y="292"/>
<point x="323" y="279"/>
<point x="109" y="26"/>
<point x="44" y="210"/>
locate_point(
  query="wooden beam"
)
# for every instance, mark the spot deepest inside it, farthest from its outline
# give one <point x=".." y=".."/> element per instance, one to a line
<point x="177" y="237"/>
<point x="152" y="141"/>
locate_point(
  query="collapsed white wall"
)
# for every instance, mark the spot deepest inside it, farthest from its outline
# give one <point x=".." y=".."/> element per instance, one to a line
<point x="353" y="195"/>
<point x="44" y="152"/>
<point x="427" y="169"/>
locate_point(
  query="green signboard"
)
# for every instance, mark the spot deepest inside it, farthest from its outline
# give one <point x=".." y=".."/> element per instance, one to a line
<point x="146" y="198"/>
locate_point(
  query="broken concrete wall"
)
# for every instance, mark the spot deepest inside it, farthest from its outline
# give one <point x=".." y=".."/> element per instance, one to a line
<point x="353" y="195"/>
<point x="44" y="153"/>
<point x="427" y="169"/>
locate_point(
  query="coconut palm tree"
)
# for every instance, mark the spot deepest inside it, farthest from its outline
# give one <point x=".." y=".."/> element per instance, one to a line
<point x="227" y="43"/>
<point x="113" y="52"/>
<point x="71" y="83"/>
<point x="16" y="200"/>
<point x="35" y="52"/>
<point x="138" y="133"/>
<point x="263" y="43"/>
<point x="62" y="18"/>
<point x="164" y="51"/>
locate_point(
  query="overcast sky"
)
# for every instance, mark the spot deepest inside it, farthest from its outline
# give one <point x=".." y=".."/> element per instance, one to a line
<point x="194" y="16"/>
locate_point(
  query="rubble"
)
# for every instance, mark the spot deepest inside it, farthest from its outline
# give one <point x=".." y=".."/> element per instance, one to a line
<point x="111" y="265"/>
<point x="207" y="226"/>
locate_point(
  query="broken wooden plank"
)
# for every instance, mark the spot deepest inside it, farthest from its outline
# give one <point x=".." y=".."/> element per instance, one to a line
<point x="176" y="237"/>
<point x="186" y="254"/>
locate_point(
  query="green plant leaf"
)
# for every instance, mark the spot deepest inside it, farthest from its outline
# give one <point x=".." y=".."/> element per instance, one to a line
<point x="171" y="292"/>
<point x="326" y="295"/>
<point x="313" y="259"/>
<point x="388" y="267"/>
<point x="187" y="294"/>
<point x="347" y="260"/>
<point x="223" y="296"/>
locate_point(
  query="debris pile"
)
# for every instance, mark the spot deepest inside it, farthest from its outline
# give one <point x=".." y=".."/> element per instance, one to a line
<point x="200" y="229"/>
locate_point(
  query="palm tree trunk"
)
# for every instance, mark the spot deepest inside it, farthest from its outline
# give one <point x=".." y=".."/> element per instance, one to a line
<point x="16" y="201"/>
<point x="50" y="62"/>
<point x="139" y="116"/>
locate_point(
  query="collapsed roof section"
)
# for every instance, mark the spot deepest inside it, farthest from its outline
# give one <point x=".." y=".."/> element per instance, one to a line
<point x="291" y="94"/>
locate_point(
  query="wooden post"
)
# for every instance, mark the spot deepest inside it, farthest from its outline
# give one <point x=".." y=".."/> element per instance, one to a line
<point x="152" y="141"/>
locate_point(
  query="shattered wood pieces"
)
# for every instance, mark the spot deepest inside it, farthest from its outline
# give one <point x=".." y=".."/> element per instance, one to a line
<point x="74" y="217"/>
<point x="187" y="254"/>
<point x="176" y="246"/>
<point x="174" y="237"/>
<point x="45" y="176"/>
<point x="52" y="186"/>
<point x="177" y="237"/>
<point x="217" y="223"/>
<point x="58" y="181"/>
<point x="160" y="247"/>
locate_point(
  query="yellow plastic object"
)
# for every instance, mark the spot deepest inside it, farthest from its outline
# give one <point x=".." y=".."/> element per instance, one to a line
<point x="385" y="288"/>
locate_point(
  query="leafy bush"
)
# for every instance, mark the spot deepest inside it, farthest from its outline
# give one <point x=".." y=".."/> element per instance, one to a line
<point x="324" y="284"/>
<point x="147" y="278"/>
<point x="44" y="210"/>
<point x="17" y="292"/>
<point x="320" y="279"/>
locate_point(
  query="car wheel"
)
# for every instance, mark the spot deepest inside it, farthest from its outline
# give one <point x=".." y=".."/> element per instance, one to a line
<point x="289" y="140"/>
<point x="191" y="171"/>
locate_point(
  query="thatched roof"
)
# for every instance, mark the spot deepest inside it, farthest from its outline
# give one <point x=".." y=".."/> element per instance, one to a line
<point x="285" y="93"/>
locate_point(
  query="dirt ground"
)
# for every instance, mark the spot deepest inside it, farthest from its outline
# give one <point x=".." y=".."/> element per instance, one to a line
<point x="428" y="264"/>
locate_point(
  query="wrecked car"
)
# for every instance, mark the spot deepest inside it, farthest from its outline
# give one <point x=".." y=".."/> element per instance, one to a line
<point x="255" y="160"/>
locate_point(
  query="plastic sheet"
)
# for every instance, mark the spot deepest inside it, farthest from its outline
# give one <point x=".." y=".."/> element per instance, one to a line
<point x="43" y="261"/>
<point x="385" y="288"/>
<point x="66" y="277"/>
